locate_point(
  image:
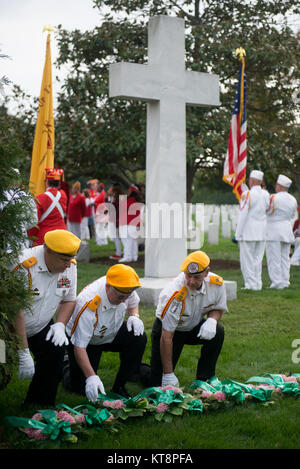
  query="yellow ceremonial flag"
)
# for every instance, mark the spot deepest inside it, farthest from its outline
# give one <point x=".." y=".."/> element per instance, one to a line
<point x="43" y="145"/>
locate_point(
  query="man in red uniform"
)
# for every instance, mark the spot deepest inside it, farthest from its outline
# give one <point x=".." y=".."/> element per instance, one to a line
<point x="76" y="210"/>
<point x="51" y="207"/>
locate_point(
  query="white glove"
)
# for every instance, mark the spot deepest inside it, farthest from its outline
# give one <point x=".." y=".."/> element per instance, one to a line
<point x="26" y="364"/>
<point x="169" y="378"/>
<point x="93" y="385"/>
<point x="208" y="329"/>
<point x="137" y="325"/>
<point x="57" y="330"/>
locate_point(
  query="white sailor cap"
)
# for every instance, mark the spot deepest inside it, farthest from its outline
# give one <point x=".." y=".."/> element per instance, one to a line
<point x="284" y="181"/>
<point x="256" y="174"/>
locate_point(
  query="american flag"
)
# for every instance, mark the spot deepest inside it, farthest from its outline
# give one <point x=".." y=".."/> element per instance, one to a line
<point x="234" y="172"/>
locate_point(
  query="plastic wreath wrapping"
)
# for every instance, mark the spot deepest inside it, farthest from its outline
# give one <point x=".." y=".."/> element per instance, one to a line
<point x="63" y="424"/>
<point x="162" y="402"/>
<point x="66" y="424"/>
<point x="264" y="388"/>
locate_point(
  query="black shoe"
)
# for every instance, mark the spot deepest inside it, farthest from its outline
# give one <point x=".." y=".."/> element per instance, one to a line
<point x="122" y="391"/>
<point x="145" y="375"/>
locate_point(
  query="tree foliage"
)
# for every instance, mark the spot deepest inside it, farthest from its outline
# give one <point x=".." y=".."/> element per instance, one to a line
<point x="14" y="295"/>
<point x="105" y="138"/>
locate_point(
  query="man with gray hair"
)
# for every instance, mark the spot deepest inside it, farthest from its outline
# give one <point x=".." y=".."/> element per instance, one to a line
<point x="251" y="230"/>
<point x="281" y="212"/>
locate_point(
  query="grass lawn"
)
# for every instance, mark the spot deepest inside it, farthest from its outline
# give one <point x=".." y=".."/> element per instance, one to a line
<point x="259" y="330"/>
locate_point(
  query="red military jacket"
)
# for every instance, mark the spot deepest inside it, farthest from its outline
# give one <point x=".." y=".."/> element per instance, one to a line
<point x="51" y="207"/>
<point x="76" y="208"/>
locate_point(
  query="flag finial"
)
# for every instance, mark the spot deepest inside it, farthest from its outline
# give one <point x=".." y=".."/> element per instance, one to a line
<point x="240" y="52"/>
<point x="49" y="29"/>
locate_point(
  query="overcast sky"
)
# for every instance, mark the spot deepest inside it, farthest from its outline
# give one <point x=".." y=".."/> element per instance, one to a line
<point x="22" y="39"/>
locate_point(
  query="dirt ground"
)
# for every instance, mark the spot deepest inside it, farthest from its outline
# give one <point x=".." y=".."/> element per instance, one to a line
<point x="215" y="264"/>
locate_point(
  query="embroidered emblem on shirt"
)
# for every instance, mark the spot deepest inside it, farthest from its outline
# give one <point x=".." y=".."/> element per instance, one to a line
<point x="102" y="331"/>
<point x="64" y="282"/>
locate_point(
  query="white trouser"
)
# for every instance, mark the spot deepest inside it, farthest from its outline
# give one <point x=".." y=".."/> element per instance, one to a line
<point x="278" y="261"/>
<point x="251" y="256"/>
<point x="118" y="246"/>
<point x="85" y="233"/>
<point x="101" y="234"/>
<point x="75" y="228"/>
<point x="295" y="259"/>
<point x="113" y="234"/>
<point x="128" y="235"/>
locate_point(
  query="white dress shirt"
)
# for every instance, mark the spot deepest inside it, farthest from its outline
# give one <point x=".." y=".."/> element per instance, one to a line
<point x="252" y="219"/>
<point x="49" y="289"/>
<point x="197" y="303"/>
<point x="97" y="325"/>
<point x="282" y="210"/>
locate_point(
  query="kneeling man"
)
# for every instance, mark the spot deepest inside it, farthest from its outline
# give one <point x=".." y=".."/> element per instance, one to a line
<point x="188" y="312"/>
<point x="97" y="325"/>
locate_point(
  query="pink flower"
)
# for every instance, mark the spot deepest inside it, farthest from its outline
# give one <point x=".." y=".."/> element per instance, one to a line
<point x="118" y="404"/>
<point x="111" y="417"/>
<point x="39" y="435"/>
<point x="220" y="396"/>
<point x="162" y="407"/>
<point x="171" y="388"/>
<point x="38" y="416"/>
<point x="79" y="418"/>
<point x="63" y="415"/>
<point x="265" y="386"/>
<point x="290" y="379"/>
<point x="206" y="394"/>
<point x="35" y="433"/>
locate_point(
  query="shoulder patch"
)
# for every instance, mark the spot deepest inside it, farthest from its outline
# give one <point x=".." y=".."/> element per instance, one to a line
<point x="94" y="303"/>
<point x="29" y="262"/>
<point x="216" y="280"/>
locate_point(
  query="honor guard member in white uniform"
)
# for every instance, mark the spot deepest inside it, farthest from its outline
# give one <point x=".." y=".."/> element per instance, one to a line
<point x="295" y="259"/>
<point x="251" y="230"/>
<point x="281" y="213"/>
<point x="51" y="273"/>
<point x="188" y="312"/>
<point x="97" y="325"/>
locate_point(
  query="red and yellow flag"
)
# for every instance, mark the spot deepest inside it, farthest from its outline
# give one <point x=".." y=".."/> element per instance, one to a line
<point x="43" y="145"/>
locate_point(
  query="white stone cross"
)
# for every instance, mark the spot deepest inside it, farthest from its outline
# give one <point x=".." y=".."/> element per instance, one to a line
<point x="168" y="88"/>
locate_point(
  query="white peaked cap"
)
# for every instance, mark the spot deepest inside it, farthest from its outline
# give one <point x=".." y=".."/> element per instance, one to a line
<point x="284" y="181"/>
<point x="257" y="174"/>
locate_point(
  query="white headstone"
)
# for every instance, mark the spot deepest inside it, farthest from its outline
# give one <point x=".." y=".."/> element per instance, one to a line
<point x="167" y="88"/>
<point x="226" y="229"/>
<point x="83" y="254"/>
<point x="213" y="233"/>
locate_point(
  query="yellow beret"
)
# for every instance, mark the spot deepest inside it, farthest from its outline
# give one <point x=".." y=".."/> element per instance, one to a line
<point x="123" y="278"/>
<point x="62" y="242"/>
<point x="195" y="262"/>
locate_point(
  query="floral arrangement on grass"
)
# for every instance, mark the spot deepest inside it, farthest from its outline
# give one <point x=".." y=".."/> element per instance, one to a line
<point x="163" y="402"/>
<point x="267" y="387"/>
<point x="65" y="424"/>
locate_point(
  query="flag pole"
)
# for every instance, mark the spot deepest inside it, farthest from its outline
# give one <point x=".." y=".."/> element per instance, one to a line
<point x="234" y="172"/>
<point x="43" y="145"/>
